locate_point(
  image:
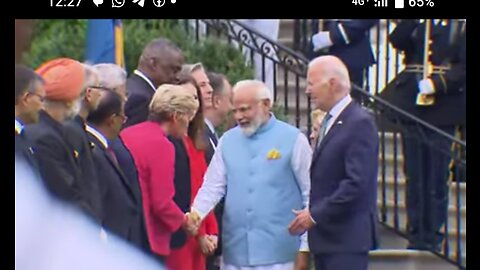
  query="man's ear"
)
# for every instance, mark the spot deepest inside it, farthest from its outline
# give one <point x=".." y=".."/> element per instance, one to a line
<point x="22" y="100"/>
<point x="88" y="94"/>
<point x="267" y="103"/>
<point x="216" y="101"/>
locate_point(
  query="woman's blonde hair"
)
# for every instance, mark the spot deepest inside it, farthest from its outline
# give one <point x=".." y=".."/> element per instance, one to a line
<point x="170" y="99"/>
<point x="316" y="115"/>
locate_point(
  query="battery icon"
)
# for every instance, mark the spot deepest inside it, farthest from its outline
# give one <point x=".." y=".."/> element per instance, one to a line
<point x="399" y="3"/>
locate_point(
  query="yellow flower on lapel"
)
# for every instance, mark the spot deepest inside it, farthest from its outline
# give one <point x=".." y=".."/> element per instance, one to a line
<point x="273" y="154"/>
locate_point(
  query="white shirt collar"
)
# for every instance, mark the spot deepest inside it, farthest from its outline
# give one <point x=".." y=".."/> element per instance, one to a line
<point x="340" y="106"/>
<point x="18" y="126"/>
<point x="141" y="75"/>
<point x="98" y="135"/>
<point x="338" y="109"/>
<point x="210" y="125"/>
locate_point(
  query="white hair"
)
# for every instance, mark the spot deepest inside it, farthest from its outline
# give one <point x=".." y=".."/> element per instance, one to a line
<point x="111" y="75"/>
<point x="262" y="89"/>
<point x="334" y="67"/>
<point x="91" y="75"/>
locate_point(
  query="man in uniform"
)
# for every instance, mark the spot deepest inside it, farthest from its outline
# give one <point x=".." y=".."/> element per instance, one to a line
<point x="427" y="168"/>
<point x="348" y="40"/>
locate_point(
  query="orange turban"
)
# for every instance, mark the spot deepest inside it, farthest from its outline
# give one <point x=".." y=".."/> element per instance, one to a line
<point x="64" y="79"/>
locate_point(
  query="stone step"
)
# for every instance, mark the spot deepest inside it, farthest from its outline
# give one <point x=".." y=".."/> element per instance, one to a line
<point x="401" y="189"/>
<point x="402" y="215"/>
<point x="395" y="259"/>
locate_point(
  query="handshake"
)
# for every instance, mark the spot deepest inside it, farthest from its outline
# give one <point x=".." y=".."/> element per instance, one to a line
<point x="192" y="223"/>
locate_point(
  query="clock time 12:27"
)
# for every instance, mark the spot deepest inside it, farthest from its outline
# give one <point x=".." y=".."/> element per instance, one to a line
<point x="65" y="3"/>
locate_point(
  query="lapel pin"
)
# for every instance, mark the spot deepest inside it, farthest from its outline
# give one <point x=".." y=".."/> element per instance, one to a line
<point x="340" y="122"/>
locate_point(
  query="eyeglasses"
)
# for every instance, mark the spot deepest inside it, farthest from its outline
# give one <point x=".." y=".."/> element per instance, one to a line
<point x="101" y="88"/>
<point x="42" y="98"/>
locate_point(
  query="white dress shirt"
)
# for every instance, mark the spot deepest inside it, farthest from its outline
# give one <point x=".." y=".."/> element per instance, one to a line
<point x="215" y="185"/>
<point x="212" y="129"/>
<point x="98" y="135"/>
<point x="337" y="110"/>
<point x="141" y="75"/>
<point x="18" y="126"/>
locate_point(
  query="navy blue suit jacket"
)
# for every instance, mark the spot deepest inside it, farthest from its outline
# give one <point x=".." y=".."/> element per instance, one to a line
<point x="120" y="211"/>
<point x="344" y="185"/>
<point x="138" y="234"/>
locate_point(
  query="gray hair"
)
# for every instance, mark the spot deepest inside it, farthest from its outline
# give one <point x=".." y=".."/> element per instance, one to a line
<point x="111" y="75"/>
<point x="91" y="78"/>
<point x="262" y="89"/>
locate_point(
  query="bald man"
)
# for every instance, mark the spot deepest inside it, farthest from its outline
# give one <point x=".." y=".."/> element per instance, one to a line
<point x="160" y="63"/>
<point x="342" y="215"/>
<point x="263" y="176"/>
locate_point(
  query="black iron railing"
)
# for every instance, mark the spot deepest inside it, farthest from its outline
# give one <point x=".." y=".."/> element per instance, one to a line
<point x="290" y="69"/>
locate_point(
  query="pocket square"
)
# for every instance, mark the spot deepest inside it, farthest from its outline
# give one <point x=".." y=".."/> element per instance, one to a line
<point x="273" y="154"/>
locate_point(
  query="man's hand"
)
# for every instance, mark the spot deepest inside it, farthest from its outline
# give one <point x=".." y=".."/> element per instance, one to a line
<point x="206" y="245"/>
<point x="192" y="223"/>
<point x="302" y="223"/>
<point x="302" y="262"/>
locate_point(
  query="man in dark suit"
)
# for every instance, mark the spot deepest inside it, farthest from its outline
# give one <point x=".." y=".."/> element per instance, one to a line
<point x="113" y="78"/>
<point x="217" y="114"/>
<point x="160" y="63"/>
<point x="214" y="117"/>
<point x="76" y="135"/>
<point x="426" y="168"/>
<point x="342" y="214"/>
<point x="29" y="96"/>
<point x="118" y="199"/>
<point x="348" y="40"/>
<point x="64" y="79"/>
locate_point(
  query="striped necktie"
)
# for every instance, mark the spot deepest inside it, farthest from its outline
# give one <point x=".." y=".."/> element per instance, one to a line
<point x="323" y="128"/>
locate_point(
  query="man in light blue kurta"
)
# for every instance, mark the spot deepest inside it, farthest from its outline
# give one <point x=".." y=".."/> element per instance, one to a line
<point x="262" y="168"/>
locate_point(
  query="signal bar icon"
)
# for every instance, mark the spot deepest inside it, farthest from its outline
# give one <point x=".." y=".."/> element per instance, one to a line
<point x="381" y="3"/>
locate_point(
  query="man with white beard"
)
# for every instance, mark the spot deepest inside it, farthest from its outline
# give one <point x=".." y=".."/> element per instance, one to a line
<point x="262" y="168"/>
<point x="58" y="162"/>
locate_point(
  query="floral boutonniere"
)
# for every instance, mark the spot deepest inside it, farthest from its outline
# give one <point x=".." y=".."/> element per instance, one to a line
<point x="273" y="154"/>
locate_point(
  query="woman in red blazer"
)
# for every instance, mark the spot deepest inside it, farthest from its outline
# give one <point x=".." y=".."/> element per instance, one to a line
<point x="171" y="109"/>
<point x="192" y="256"/>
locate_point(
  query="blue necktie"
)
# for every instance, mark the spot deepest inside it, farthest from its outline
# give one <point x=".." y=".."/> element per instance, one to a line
<point x="323" y="128"/>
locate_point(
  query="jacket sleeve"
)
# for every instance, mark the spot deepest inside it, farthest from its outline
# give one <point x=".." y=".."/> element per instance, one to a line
<point x="56" y="173"/>
<point x="136" y="109"/>
<point x="211" y="224"/>
<point x="361" y="165"/>
<point x="454" y="80"/>
<point x="401" y="37"/>
<point x="344" y="33"/>
<point x="161" y="164"/>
